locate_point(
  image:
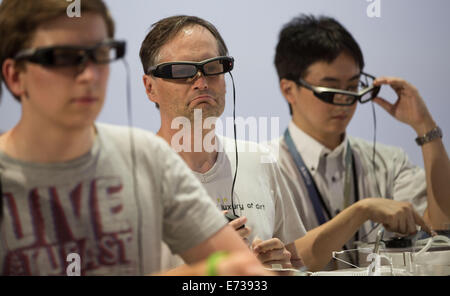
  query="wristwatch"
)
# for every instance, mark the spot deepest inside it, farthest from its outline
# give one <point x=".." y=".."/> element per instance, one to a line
<point x="430" y="136"/>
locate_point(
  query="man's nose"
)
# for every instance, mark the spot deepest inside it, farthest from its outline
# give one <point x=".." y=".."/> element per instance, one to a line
<point x="343" y="99"/>
<point x="200" y="81"/>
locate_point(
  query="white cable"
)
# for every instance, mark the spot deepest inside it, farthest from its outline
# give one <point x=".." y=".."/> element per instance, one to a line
<point x="430" y="242"/>
<point x="342" y="252"/>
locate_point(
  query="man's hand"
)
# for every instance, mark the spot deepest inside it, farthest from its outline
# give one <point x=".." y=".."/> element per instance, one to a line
<point x="409" y="107"/>
<point x="244" y="232"/>
<point x="396" y="216"/>
<point x="271" y="251"/>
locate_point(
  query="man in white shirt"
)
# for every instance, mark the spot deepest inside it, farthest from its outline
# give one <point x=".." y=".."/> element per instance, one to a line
<point x="184" y="60"/>
<point x="332" y="175"/>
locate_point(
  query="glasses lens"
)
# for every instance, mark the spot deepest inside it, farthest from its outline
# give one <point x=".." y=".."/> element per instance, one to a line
<point x="326" y="97"/>
<point x="367" y="97"/>
<point x="67" y="56"/>
<point x="183" y="70"/>
<point x="105" y="53"/>
<point x="365" y="84"/>
<point x="214" y="67"/>
<point x="370" y="95"/>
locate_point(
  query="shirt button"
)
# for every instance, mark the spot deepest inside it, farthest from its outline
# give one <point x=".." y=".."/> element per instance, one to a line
<point x="312" y="168"/>
<point x="333" y="179"/>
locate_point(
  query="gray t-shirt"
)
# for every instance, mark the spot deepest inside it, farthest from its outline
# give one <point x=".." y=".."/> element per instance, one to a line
<point x="88" y="206"/>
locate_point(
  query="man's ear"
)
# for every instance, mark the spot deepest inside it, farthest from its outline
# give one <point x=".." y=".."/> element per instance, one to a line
<point x="12" y="78"/>
<point x="149" y="88"/>
<point x="289" y="89"/>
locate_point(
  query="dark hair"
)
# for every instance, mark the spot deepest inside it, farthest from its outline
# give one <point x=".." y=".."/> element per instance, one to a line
<point x="307" y="39"/>
<point x="20" y="19"/>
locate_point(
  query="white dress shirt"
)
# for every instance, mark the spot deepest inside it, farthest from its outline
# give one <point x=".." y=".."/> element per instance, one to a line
<point x="390" y="176"/>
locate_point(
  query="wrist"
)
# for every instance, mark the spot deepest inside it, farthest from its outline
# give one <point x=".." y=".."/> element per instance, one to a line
<point x="432" y="135"/>
<point x="424" y="127"/>
<point x="362" y="210"/>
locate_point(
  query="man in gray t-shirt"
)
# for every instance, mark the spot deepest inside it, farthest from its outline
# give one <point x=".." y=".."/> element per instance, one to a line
<point x="91" y="206"/>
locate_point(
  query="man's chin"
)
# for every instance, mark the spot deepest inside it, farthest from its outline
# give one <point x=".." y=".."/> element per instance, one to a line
<point x="206" y="111"/>
<point x="200" y="105"/>
<point x="337" y="130"/>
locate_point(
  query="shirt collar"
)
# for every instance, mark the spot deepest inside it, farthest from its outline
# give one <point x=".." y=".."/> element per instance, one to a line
<point x="312" y="151"/>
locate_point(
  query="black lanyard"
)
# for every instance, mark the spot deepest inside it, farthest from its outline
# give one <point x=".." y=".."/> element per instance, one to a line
<point x="313" y="193"/>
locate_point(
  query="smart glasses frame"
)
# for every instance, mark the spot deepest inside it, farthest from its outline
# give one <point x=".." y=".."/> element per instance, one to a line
<point x="327" y="94"/>
<point x="165" y="70"/>
<point x="47" y="56"/>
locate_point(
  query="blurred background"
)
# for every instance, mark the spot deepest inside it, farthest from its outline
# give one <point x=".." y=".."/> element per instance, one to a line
<point x="404" y="38"/>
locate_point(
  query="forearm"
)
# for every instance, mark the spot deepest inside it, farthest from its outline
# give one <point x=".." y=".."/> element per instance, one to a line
<point x="316" y="247"/>
<point x="437" y="169"/>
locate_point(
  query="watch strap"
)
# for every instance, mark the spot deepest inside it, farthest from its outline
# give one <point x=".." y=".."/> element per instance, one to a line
<point x="433" y="134"/>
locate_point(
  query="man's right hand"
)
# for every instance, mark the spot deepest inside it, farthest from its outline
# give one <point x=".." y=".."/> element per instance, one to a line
<point x="244" y="232"/>
<point x="396" y="216"/>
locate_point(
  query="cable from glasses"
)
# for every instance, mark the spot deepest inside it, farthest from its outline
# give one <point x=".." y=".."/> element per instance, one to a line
<point x="232" y="215"/>
<point x="235" y="145"/>
<point x="373" y="163"/>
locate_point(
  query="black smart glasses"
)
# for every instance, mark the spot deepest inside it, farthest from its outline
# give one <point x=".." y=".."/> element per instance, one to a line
<point x="366" y="92"/>
<point x="184" y="70"/>
<point x="68" y="55"/>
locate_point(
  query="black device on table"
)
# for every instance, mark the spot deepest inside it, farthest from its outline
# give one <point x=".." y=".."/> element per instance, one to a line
<point x="407" y="241"/>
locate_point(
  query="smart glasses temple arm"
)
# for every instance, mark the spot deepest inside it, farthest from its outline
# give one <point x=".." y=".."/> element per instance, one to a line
<point x="368" y="75"/>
